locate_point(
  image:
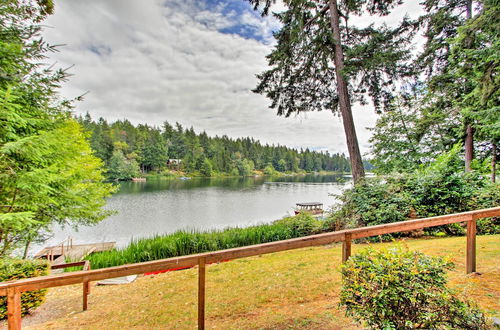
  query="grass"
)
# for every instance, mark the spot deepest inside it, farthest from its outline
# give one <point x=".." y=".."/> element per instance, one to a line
<point x="287" y="290"/>
<point x="190" y="242"/>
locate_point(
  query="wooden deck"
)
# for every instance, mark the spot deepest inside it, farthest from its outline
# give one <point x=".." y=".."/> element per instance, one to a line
<point x="58" y="254"/>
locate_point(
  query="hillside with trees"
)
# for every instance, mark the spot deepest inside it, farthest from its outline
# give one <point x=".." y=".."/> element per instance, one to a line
<point x="130" y="151"/>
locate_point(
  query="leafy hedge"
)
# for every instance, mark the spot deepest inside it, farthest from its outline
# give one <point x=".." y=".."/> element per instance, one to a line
<point x="184" y="242"/>
<point x="15" y="269"/>
<point x="441" y="188"/>
<point x="400" y="289"/>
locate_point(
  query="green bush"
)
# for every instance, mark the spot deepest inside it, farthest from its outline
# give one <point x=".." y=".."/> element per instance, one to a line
<point x="438" y="189"/>
<point x="372" y="202"/>
<point x="14" y="269"/>
<point x="400" y="289"/>
<point x="302" y="224"/>
<point x="269" y="170"/>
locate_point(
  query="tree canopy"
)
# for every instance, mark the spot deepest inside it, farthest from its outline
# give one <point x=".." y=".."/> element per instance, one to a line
<point x="456" y="98"/>
<point x="48" y="173"/>
<point x="461" y="65"/>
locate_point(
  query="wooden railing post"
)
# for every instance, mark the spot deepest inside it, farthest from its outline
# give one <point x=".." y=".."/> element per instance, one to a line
<point x="14" y="308"/>
<point x="201" y="293"/>
<point x="85" y="294"/>
<point x="471" y="246"/>
<point x="346" y="247"/>
<point x="86" y="287"/>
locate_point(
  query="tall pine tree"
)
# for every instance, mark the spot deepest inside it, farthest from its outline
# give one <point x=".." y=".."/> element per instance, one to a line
<point x="322" y="62"/>
<point x="448" y="89"/>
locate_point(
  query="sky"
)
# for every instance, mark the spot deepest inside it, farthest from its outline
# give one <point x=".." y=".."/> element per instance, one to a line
<point x="187" y="61"/>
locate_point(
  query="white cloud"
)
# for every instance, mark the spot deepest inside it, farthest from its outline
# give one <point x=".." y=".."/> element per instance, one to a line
<point x="151" y="61"/>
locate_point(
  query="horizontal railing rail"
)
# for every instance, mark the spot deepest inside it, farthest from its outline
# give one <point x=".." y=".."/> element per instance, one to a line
<point x="84" y="263"/>
<point x="13" y="289"/>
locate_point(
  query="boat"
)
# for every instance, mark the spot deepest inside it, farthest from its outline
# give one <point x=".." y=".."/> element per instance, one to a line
<point x="314" y="208"/>
<point x="184" y="178"/>
<point x="138" y="179"/>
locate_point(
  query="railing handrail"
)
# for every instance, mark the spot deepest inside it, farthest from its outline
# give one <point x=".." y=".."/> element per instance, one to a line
<point x="240" y="252"/>
<point x="66" y="240"/>
<point x="84" y="263"/>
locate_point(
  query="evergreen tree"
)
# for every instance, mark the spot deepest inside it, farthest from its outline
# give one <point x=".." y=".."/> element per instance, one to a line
<point x="206" y="168"/>
<point x="154" y="152"/>
<point x="457" y="101"/>
<point x="101" y="141"/>
<point x="449" y="89"/>
<point x="321" y="64"/>
<point x="47" y="171"/>
<point x="475" y="58"/>
<point x="411" y="133"/>
<point x="281" y="166"/>
<point x="177" y="143"/>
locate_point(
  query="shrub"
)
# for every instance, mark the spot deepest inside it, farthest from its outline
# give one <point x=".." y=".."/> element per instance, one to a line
<point x="400" y="289"/>
<point x="443" y="187"/>
<point x="302" y="224"/>
<point x="269" y="170"/>
<point x="372" y="202"/>
<point x="14" y="269"/>
<point x="438" y="189"/>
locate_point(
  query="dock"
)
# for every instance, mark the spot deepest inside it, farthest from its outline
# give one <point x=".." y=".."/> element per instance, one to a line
<point x="313" y="208"/>
<point x="66" y="250"/>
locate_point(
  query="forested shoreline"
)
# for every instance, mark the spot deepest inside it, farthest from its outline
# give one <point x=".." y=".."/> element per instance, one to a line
<point x="130" y="151"/>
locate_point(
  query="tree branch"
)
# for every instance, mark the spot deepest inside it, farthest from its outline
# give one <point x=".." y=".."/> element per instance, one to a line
<point x="13" y="201"/>
<point x="319" y="14"/>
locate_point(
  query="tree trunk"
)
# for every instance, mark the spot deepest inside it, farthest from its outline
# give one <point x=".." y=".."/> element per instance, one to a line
<point x="469" y="147"/>
<point x="26" y="248"/>
<point x="468" y="9"/>
<point x="469" y="137"/>
<point x="493" y="162"/>
<point x="357" y="169"/>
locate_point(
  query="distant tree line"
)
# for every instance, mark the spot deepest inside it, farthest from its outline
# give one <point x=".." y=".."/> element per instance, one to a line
<point x="129" y="150"/>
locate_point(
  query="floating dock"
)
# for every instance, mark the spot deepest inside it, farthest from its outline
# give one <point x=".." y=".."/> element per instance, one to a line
<point x="58" y="254"/>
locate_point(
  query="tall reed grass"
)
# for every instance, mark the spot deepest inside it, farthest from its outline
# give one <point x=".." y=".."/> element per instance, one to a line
<point x="190" y="242"/>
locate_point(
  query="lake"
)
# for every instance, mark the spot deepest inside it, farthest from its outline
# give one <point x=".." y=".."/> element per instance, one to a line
<point x="163" y="205"/>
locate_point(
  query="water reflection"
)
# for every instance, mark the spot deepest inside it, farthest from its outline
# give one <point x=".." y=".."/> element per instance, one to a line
<point x="235" y="183"/>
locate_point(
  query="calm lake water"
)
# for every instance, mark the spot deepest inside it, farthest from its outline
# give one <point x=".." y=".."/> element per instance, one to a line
<point x="162" y="205"/>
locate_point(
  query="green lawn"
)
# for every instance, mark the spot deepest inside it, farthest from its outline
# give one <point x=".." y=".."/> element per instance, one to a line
<point x="293" y="289"/>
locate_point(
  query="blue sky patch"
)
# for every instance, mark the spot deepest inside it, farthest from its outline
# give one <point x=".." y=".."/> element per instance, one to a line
<point x="233" y="17"/>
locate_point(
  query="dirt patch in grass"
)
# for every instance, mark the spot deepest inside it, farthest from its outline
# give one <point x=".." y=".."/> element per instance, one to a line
<point x="286" y="290"/>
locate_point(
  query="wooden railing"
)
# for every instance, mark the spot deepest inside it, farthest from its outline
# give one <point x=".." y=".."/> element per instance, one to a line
<point x="86" y="285"/>
<point x="69" y="244"/>
<point x="13" y="289"/>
